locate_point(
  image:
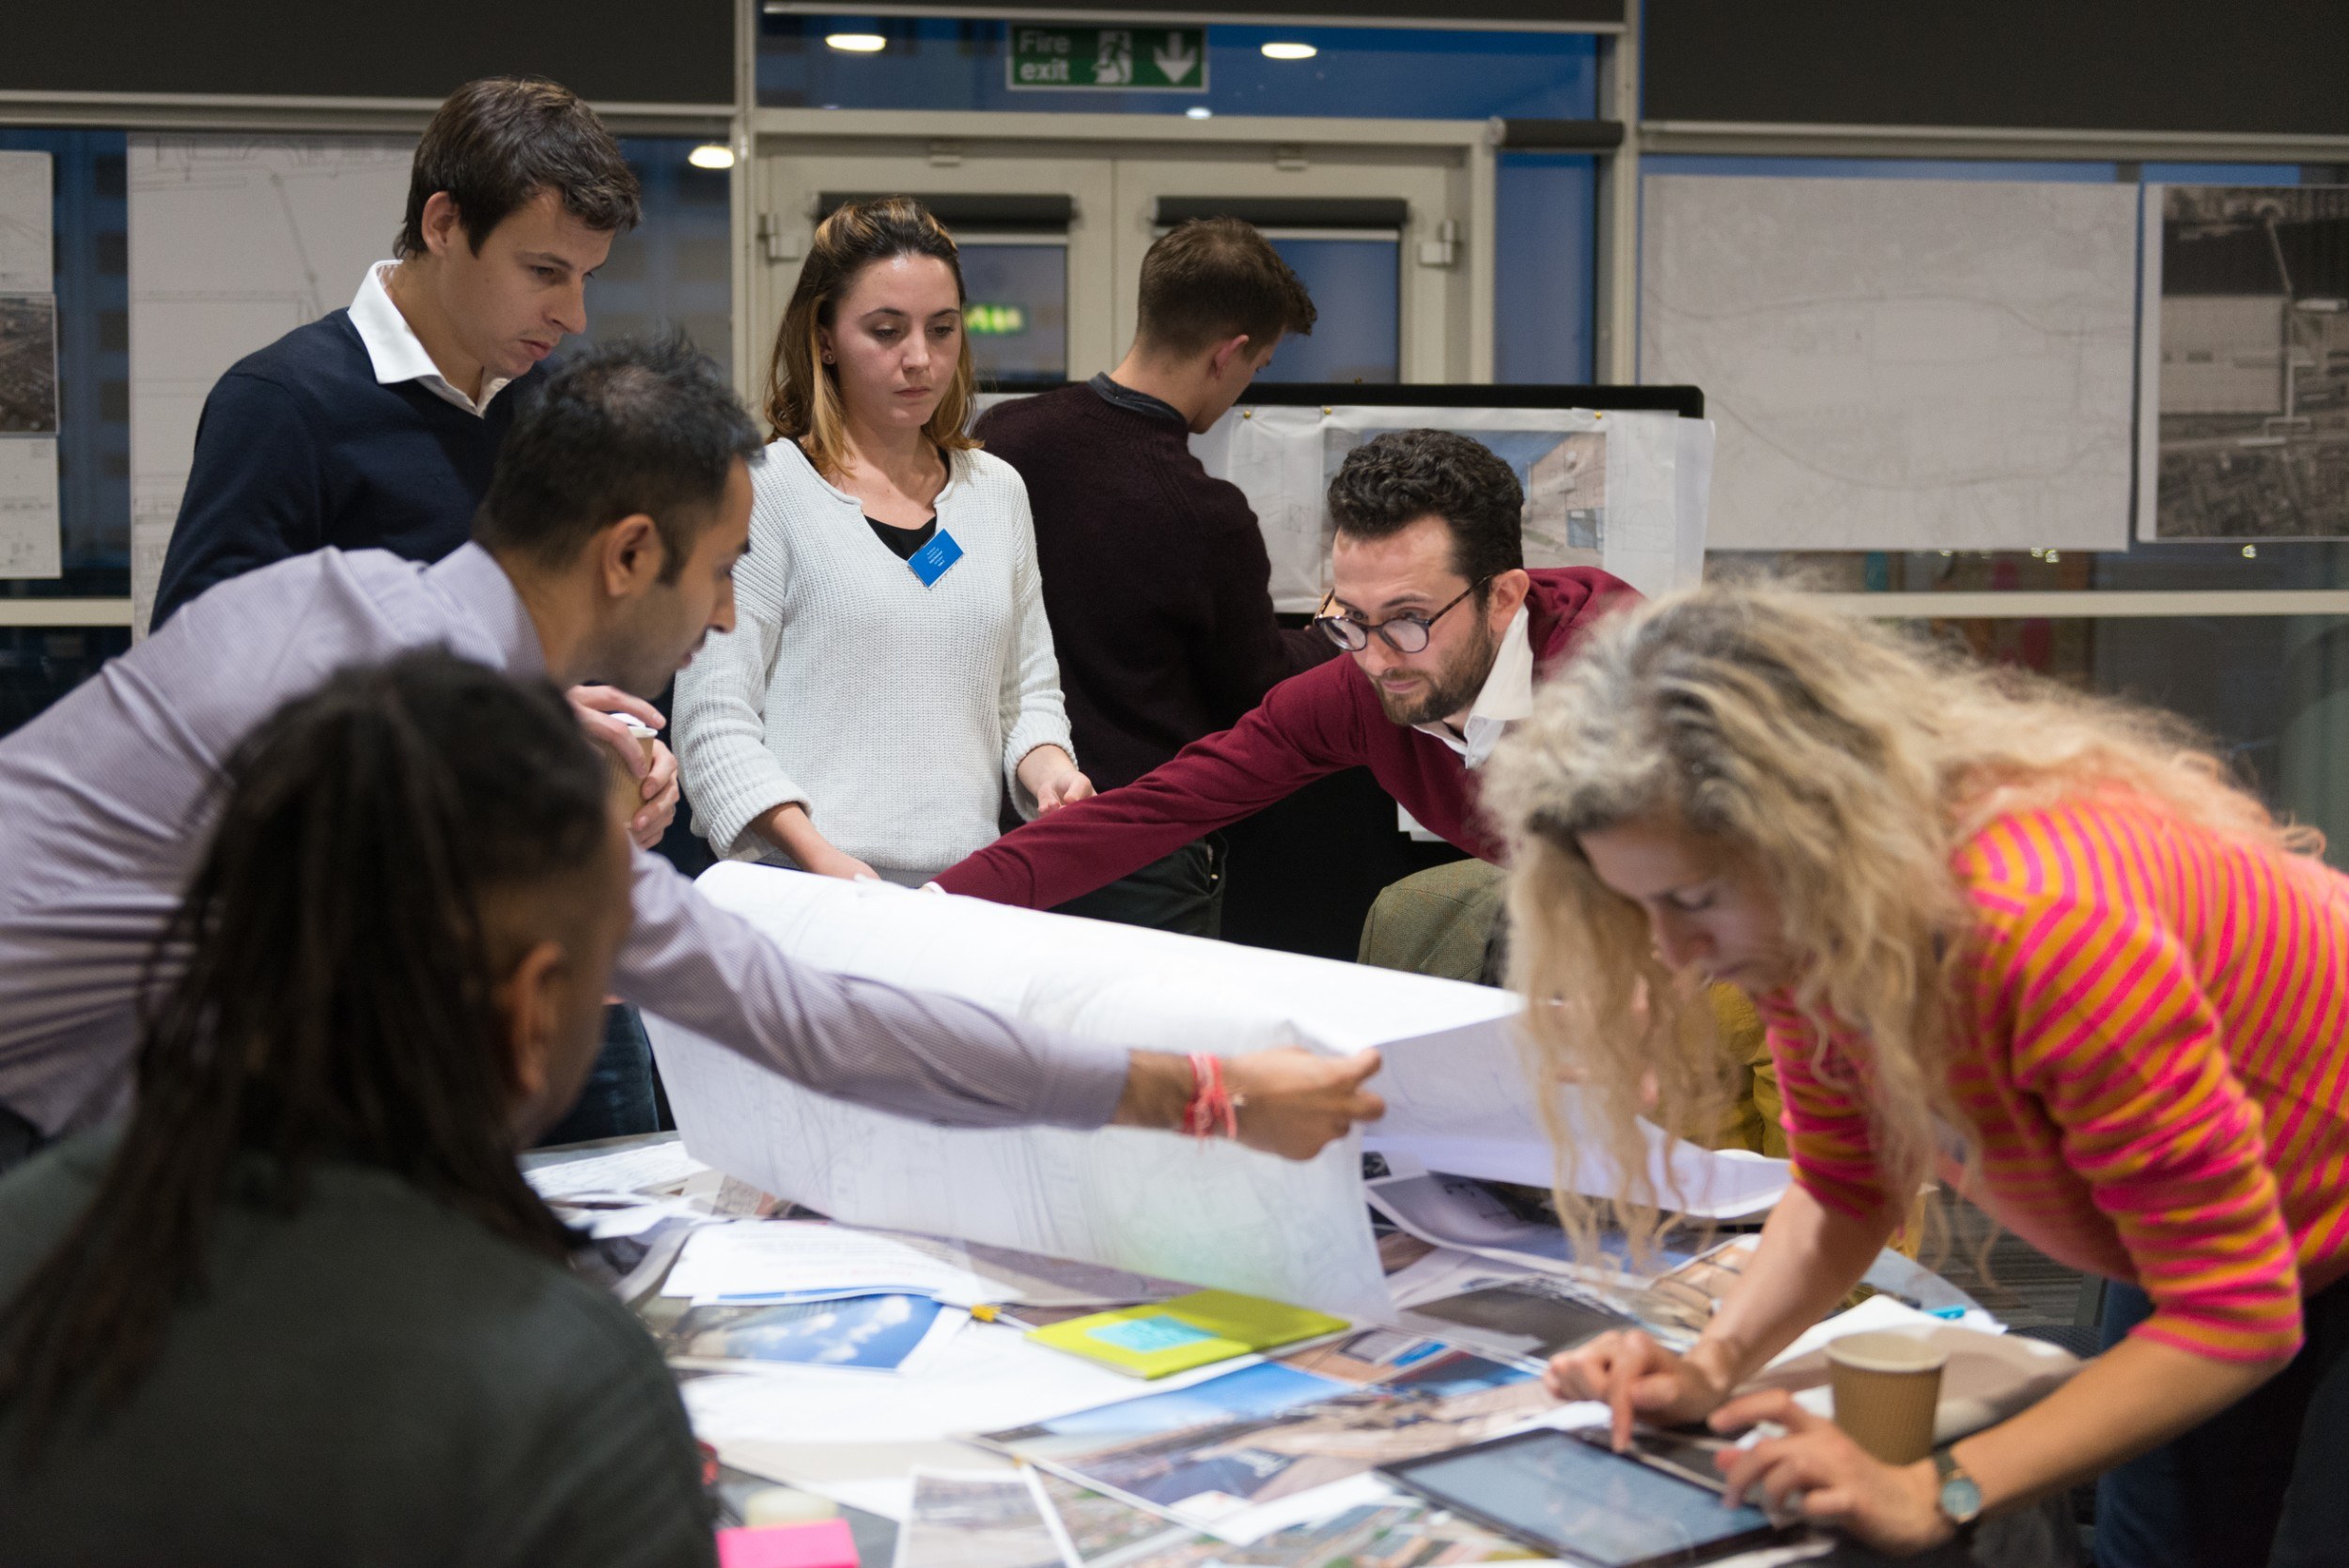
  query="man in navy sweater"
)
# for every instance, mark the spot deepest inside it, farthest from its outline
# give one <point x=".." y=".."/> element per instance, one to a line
<point x="376" y="427"/>
<point x="1156" y="579"/>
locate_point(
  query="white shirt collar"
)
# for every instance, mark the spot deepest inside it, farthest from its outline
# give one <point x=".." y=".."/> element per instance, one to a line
<point x="398" y="354"/>
<point x="1507" y="696"/>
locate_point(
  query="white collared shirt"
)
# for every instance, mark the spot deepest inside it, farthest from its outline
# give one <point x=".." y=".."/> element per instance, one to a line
<point x="398" y="354"/>
<point x="1507" y="696"/>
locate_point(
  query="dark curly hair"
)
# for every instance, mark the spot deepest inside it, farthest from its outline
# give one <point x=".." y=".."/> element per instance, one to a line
<point x="337" y="999"/>
<point x="1392" y="481"/>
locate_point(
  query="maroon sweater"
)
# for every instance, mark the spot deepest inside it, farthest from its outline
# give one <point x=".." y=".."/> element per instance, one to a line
<point x="1154" y="579"/>
<point x="1309" y="726"/>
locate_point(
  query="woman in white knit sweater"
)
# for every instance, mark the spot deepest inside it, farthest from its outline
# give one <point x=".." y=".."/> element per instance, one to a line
<point x="891" y="673"/>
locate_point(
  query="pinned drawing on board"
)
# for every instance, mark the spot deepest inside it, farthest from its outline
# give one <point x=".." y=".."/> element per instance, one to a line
<point x="30" y="518"/>
<point x="1900" y="364"/>
<point x="2242" y="409"/>
<point x="1626" y="490"/>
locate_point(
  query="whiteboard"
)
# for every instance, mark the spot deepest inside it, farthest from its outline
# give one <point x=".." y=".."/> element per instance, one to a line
<point x="1900" y="363"/>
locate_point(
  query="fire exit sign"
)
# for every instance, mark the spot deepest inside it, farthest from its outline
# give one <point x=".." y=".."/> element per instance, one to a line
<point x="1150" y="59"/>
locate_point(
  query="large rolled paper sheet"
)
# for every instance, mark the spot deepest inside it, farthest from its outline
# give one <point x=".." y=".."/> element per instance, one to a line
<point x="1211" y="1213"/>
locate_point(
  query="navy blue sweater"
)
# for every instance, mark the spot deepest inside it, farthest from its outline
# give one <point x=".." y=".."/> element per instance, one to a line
<point x="299" y="447"/>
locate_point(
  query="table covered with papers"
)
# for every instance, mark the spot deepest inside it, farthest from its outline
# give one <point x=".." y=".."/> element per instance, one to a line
<point x="851" y="1363"/>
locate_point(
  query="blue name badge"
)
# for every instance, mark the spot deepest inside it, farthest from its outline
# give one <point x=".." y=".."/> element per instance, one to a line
<point x="930" y="562"/>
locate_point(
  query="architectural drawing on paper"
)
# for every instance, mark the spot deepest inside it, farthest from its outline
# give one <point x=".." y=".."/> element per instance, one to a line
<point x="235" y="240"/>
<point x="1212" y="1214"/>
<point x="27" y="248"/>
<point x="2243" y="417"/>
<point x="29" y="543"/>
<point x="1900" y="363"/>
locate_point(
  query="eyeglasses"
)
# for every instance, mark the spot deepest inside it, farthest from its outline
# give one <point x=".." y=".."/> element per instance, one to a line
<point x="1405" y="634"/>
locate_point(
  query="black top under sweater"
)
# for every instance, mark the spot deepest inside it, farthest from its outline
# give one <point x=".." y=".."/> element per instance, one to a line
<point x="903" y="542"/>
<point x="1156" y="580"/>
<point x="299" y="447"/>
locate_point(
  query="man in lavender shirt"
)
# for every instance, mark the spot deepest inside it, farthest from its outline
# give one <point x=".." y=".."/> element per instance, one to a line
<point x="604" y="552"/>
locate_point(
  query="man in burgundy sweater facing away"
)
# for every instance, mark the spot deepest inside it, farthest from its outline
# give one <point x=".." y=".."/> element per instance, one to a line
<point x="1448" y="630"/>
<point x="1155" y="574"/>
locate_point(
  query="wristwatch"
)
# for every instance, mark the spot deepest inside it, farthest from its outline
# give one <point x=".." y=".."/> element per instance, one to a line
<point x="1960" y="1499"/>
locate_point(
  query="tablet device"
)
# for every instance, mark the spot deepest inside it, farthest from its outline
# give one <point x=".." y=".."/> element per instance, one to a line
<point x="1690" y="1455"/>
<point x="1579" y="1501"/>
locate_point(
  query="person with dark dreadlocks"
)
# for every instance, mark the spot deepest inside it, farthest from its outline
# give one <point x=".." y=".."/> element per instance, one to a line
<point x="604" y="552"/>
<point x="303" y="1308"/>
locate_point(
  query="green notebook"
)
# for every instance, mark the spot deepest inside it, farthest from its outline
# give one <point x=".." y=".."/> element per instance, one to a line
<point x="1193" y="1330"/>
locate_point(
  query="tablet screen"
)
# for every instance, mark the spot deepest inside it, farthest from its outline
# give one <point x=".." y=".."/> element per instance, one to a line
<point x="1568" y="1496"/>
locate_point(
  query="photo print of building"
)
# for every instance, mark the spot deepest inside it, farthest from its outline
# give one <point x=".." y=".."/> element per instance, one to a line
<point x="2248" y="352"/>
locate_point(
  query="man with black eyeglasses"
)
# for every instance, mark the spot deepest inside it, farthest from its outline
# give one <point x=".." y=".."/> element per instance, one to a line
<point x="1448" y="631"/>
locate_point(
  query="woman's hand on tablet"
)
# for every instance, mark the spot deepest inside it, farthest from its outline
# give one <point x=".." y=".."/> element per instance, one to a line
<point x="1639" y="1379"/>
<point x="1813" y="1471"/>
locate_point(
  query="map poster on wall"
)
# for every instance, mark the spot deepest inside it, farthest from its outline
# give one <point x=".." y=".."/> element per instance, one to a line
<point x="27" y="250"/>
<point x="1900" y="364"/>
<point x="30" y="542"/>
<point x="234" y="242"/>
<point x="2243" y="406"/>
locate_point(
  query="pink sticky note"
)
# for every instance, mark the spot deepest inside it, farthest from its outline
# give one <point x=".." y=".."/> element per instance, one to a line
<point x="824" y="1544"/>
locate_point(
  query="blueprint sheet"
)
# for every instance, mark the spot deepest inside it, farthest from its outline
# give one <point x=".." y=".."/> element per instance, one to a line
<point x="1901" y="364"/>
<point x="1211" y="1213"/>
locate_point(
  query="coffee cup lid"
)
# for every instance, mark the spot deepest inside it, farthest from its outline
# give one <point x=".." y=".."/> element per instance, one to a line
<point x="1886" y="1350"/>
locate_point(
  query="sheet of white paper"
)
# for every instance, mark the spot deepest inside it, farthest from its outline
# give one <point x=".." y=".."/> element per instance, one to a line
<point x="752" y="1258"/>
<point x="986" y="1373"/>
<point x="1656" y="514"/>
<point x="1212" y="1214"/>
<point x="633" y="1170"/>
<point x="30" y="544"/>
<point x="1989" y="1375"/>
<point x="27" y="248"/>
<point x="1464" y="1102"/>
<point x="1900" y="363"/>
<point x="235" y="240"/>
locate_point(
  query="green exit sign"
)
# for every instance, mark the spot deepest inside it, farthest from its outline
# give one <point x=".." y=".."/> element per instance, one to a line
<point x="1148" y="59"/>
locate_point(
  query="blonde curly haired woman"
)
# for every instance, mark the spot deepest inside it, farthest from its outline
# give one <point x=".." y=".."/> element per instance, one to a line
<point x="2030" y="939"/>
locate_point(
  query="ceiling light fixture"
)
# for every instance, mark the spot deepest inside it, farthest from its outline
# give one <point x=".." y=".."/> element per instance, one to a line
<point x="857" y="43"/>
<point x="1199" y="111"/>
<point x="1290" y="51"/>
<point x="711" y="155"/>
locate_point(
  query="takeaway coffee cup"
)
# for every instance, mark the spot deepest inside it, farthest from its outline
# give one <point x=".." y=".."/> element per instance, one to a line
<point x="1886" y="1388"/>
<point x="627" y="790"/>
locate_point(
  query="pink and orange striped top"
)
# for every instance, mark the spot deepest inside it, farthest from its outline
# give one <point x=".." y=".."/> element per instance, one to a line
<point x="2152" y="1045"/>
